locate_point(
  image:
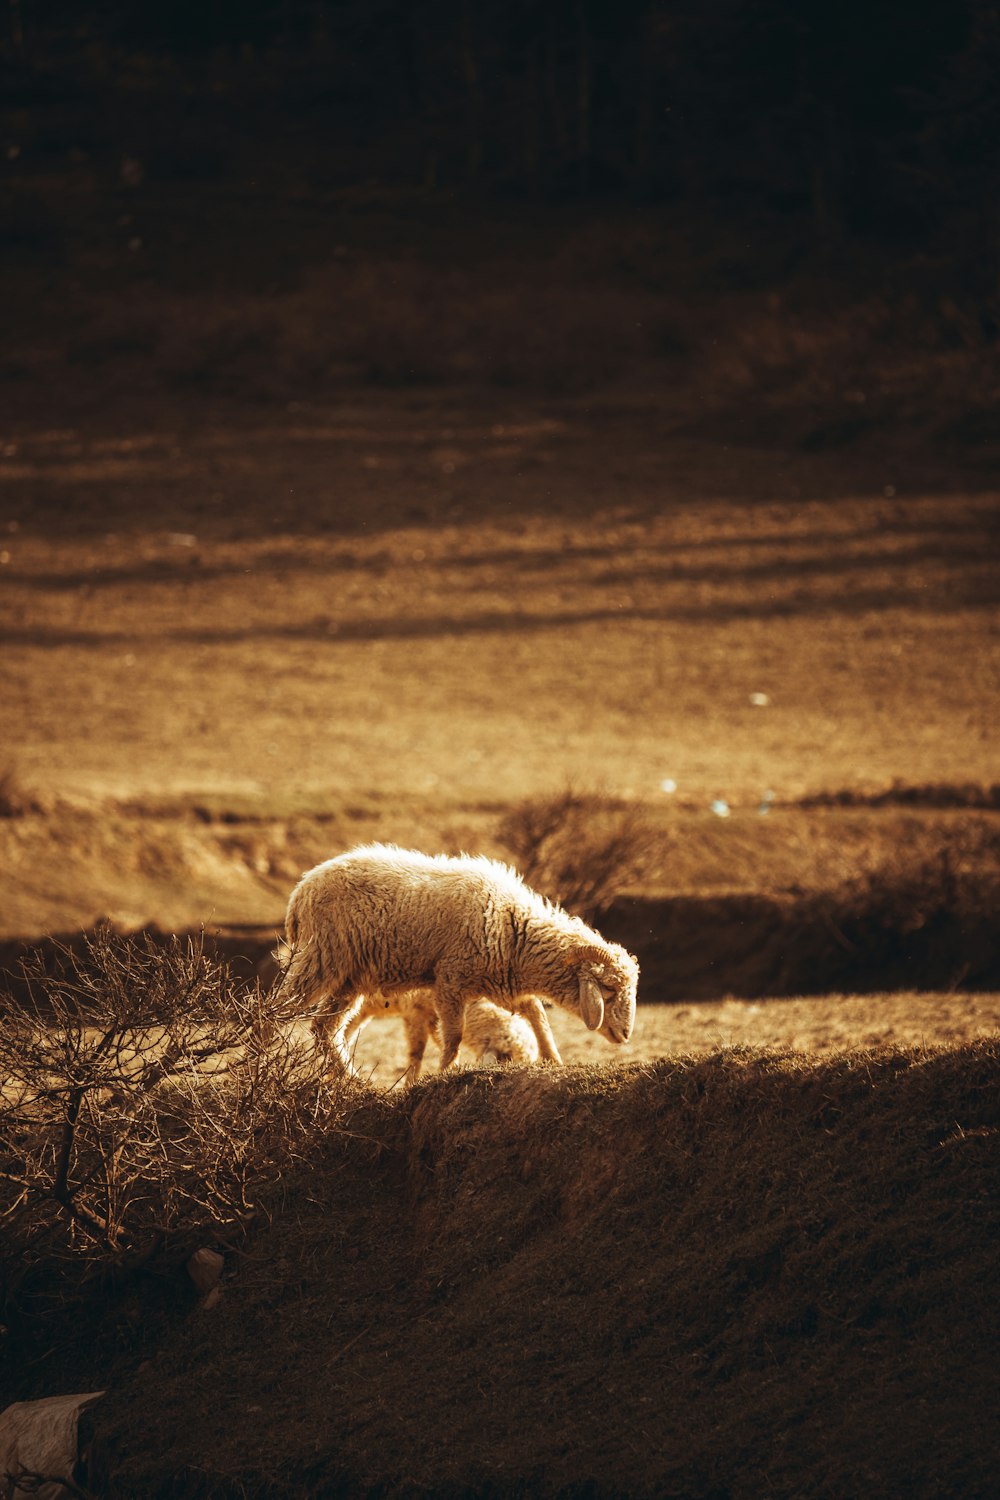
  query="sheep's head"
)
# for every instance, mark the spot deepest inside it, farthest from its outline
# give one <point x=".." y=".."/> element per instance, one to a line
<point x="608" y="980"/>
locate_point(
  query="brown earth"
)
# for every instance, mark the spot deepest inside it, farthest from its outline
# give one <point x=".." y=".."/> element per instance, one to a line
<point x="245" y="628"/>
<point x="468" y="607"/>
<point x="232" y="649"/>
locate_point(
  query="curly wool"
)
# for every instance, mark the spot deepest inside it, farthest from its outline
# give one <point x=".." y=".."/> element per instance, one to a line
<point x="381" y="918"/>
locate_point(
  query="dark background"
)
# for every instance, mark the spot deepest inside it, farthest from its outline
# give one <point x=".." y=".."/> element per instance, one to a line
<point x="855" y="119"/>
<point x="558" y="198"/>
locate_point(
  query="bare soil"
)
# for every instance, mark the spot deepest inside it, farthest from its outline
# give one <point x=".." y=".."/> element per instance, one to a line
<point x="817" y="1026"/>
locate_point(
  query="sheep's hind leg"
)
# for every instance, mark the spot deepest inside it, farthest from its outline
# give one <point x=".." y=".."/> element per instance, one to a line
<point x="329" y="1028"/>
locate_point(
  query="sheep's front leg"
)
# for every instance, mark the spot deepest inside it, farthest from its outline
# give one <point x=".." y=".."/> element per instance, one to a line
<point x="451" y="1012"/>
<point x="534" y="1013"/>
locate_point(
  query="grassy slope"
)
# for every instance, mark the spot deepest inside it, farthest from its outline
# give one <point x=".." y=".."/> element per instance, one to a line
<point x="731" y="1276"/>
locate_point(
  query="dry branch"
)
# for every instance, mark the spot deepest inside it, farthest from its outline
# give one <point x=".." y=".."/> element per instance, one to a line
<point x="580" y="849"/>
<point x="139" y="1112"/>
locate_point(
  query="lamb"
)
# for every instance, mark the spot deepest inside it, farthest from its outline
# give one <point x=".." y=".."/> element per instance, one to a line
<point x="492" y="1033"/>
<point x="380" y="919"/>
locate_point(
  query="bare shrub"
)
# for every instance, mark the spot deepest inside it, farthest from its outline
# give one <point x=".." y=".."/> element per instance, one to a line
<point x="15" y="800"/>
<point x="139" y="1111"/>
<point x="579" y="848"/>
<point x="915" y="923"/>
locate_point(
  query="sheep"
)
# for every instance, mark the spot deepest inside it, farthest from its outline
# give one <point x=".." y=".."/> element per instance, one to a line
<point x="493" y="1034"/>
<point x="384" y="919"/>
<point x="497" y="1035"/>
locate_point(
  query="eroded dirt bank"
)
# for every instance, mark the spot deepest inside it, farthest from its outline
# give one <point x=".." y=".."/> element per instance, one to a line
<point x="802" y="901"/>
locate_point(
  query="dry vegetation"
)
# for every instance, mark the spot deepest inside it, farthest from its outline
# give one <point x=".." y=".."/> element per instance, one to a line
<point x="751" y="1271"/>
<point x="580" y="849"/>
<point x="139" y="1113"/>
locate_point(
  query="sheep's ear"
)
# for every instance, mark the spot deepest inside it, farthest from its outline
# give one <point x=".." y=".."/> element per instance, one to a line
<point x="599" y="971"/>
<point x="591" y="1001"/>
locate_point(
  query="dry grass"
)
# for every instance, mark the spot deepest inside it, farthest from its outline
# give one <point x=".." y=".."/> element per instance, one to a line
<point x="541" y="607"/>
<point x="16" y="801"/>
<point x="741" y="1273"/>
<point x="580" y="849"/>
<point x="817" y="1026"/>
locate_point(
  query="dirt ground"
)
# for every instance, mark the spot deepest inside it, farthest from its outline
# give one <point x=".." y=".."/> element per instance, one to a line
<point x="398" y="618"/>
<point x="475" y="607"/>
<point x="818" y="1026"/>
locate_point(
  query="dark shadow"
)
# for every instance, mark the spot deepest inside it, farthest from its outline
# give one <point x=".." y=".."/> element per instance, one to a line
<point x="966" y="542"/>
<point x="975" y="594"/>
<point x="317" y="484"/>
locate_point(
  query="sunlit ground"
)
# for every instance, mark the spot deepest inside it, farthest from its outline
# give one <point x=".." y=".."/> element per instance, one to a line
<point x="832" y="1023"/>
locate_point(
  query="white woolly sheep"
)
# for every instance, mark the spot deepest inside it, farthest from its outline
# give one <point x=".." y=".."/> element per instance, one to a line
<point x="383" y="919"/>
<point x="492" y="1034"/>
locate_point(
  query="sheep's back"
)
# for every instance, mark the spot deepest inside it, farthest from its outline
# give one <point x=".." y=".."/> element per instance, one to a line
<point x="393" y="921"/>
<point x="388" y="916"/>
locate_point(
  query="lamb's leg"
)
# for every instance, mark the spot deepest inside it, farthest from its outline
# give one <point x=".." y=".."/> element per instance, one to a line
<point x="356" y="1017"/>
<point x="534" y="1013"/>
<point x="417" y="1032"/>
<point x="451" y="1013"/>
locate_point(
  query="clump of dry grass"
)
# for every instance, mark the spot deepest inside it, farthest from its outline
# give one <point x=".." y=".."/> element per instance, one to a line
<point x="579" y="848"/>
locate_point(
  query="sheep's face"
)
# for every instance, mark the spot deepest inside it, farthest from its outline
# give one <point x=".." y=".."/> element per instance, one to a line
<point x="608" y="984"/>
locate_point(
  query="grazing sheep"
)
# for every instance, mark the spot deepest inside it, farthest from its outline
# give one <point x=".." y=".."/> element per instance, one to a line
<point x="383" y="919"/>
<point x="495" y="1035"/>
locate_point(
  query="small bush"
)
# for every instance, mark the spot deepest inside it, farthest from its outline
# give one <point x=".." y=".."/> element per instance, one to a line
<point x="579" y="849"/>
<point x="140" y="1111"/>
<point x="15" y="800"/>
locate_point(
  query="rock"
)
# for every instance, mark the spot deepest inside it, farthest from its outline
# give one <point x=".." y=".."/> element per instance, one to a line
<point x="205" y="1268"/>
<point x="41" y="1438"/>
